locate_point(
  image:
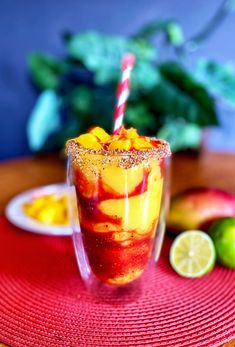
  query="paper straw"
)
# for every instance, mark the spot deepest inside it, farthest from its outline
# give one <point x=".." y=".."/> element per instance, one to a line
<point x="123" y="91"/>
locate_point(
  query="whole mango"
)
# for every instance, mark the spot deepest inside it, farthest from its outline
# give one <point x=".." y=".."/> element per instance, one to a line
<point x="197" y="208"/>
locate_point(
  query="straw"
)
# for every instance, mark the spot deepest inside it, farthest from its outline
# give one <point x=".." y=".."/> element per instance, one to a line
<point x="123" y="91"/>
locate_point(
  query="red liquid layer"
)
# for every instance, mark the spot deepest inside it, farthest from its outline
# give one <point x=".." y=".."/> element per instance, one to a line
<point x="116" y="262"/>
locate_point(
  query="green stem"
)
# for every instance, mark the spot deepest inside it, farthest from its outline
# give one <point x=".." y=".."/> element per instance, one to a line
<point x="227" y="7"/>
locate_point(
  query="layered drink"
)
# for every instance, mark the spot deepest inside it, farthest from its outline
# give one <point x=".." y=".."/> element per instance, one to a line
<point x="119" y="183"/>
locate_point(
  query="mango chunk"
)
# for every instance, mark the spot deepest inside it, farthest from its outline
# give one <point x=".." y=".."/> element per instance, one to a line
<point x="121" y="181"/>
<point x="51" y="214"/>
<point x="49" y="209"/>
<point x="131" y="133"/>
<point x="140" y="143"/>
<point x="88" y="141"/>
<point x="137" y="212"/>
<point x="101" y="134"/>
<point x="124" y="145"/>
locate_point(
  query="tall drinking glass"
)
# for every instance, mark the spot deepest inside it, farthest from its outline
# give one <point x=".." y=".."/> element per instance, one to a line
<point x="118" y="207"/>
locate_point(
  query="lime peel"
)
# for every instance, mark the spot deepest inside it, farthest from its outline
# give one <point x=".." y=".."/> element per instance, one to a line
<point x="222" y="233"/>
<point x="192" y="254"/>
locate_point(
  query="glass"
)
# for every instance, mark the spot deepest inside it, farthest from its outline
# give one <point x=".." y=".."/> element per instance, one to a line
<point x="118" y="209"/>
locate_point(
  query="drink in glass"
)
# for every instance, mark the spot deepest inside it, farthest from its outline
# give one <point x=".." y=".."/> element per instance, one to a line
<point x="119" y="184"/>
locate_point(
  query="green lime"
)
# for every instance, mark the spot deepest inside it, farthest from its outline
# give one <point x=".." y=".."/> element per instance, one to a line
<point x="192" y="254"/>
<point x="222" y="233"/>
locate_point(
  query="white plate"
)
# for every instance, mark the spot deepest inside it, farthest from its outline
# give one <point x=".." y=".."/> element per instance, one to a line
<point x="16" y="215"/>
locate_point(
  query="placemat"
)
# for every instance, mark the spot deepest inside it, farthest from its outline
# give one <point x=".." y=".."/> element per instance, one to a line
<point x="43" y="301"/>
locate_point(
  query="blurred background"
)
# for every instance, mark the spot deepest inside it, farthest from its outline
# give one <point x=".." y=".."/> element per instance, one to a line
<point x="37" y="26"/>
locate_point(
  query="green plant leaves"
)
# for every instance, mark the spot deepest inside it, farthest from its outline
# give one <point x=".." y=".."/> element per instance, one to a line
<point x="139" y="116"/>
<point x="181" y="135"/>
<point x="144" y="76"/>
<point x="71" y="128"/>
<point x="172" y="30"/>
<point x="81" y="99"/>
<point x="44" y="120"/>
<point x="95" y="49"/>
<point x="218" y="78"/>
<point x="45" y="70"/>
<point x="102" y="55"/>
<point x="81" y="87"/>
<point x="175" y="34"/>
<point x="179" y="94"/>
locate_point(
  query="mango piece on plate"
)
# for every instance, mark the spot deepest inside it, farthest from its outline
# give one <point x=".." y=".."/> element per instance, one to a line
<point x="121" y="181"/>
<point x="124" y="145"/>
<point x="88" y="141"/>
<point x="48" y="214"/>
<point x="101" y="134"/>
<point x="49" y="209"/>
<point x="31" y="208"/>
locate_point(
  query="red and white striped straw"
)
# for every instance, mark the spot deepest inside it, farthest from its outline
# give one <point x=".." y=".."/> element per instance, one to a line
<point x="123" y="91"/>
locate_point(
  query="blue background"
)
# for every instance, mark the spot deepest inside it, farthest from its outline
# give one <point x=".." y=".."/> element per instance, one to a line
<point x="28" y="25"/>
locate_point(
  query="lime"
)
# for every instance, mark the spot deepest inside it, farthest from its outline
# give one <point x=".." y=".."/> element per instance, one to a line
<point x="192" y="254"/>
<point x="222" y="233"/>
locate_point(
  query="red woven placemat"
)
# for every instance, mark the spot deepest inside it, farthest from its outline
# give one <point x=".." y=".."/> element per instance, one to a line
<point x="43" y="301"/>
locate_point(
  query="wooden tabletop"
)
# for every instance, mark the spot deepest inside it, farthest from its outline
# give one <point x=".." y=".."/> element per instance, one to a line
<point x="188" y="170"/>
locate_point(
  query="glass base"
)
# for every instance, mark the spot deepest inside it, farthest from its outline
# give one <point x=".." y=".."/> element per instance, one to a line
<point x="107" y="292"/>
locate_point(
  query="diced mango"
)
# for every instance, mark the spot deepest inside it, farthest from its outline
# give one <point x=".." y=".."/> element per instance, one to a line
<point x="141" y="143"/>
<point x="32" y="208"/>
<point x="88" y="141"/>
<point x="124" y="145"/>
<point x="121" y="181"/>
<point x="101" y="134"/>
<point x="131" y="133"/>
<point x="47" y="215"/>
<point x="122" y="132"/>
<point x="49" y="209"/>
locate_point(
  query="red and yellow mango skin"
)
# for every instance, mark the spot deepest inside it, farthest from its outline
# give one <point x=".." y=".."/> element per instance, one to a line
<point x="197" y="208"/>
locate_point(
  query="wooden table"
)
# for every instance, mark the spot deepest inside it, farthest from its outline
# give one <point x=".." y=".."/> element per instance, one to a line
<point x="208" y="169"/>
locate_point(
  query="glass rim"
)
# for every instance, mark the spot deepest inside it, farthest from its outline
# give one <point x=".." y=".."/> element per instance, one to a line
<point x="163" y="151"/>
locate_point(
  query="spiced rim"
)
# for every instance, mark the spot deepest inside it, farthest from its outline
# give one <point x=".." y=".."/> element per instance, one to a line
<point x="163" y="151"/>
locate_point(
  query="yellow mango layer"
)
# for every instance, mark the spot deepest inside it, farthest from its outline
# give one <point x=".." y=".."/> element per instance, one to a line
<point x="138" y="212"/>
<point x="121" y="181"/>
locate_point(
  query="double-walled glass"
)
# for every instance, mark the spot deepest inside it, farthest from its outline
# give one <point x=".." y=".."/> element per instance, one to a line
<point x="118" y="207"/>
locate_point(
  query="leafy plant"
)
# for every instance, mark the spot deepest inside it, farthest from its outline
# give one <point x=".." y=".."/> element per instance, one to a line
<point x="166" y="98"/>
